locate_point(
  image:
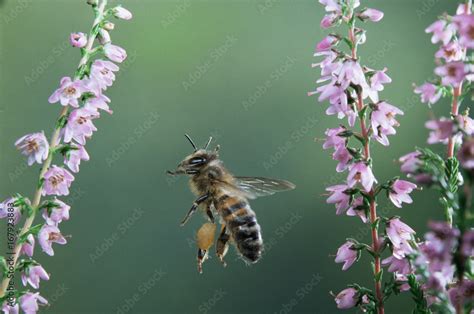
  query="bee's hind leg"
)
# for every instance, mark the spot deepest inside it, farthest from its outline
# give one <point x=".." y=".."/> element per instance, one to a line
<point x="205" y="240"/>
<point x="222" y="245"/>
<point x="202" y="256"/>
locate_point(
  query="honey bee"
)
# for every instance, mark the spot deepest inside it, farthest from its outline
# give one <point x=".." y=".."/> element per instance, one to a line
<point x="220" y="193"/>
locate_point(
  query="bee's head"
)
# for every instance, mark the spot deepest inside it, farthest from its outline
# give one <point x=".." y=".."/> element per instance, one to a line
<point x="193" y="163"/>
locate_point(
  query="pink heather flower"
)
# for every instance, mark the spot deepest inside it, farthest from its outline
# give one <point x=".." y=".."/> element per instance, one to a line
<point x="465" y="124"/>
<point x="400" y="192"/>
<point x="383" y="121"/>
<point x="462" y="294"/>
<point x="442" y="130"/>
<point x="68" y="92"/>
<point x="351" y="72"/>
<point x="339" y="197"/>
<point x="28" y="247"/>
<point x="452" y="73"/>
<point x="91" y="86"/>
<point x="361" y="173"/>
<point x="342" y="155"/>
<point x="49" y="235"/>
<point x="78" y="40"/>
<point x="103" y="72"/>
<point x="10" y="211"/>
<point x="347" y="255"/>
<point x="73" y="157"/>
<point x="466" y="154"/>
<point x="463" y="8"/>
<point x="331" y="92"/>
<point x="465" y="25"/>
<point x="399" y="234"/>
<point x="56" y="214"/>
<point x="96" y="103"/>
<point x="410" y="162"/>
<point x="57" y="181"/>
<point x="115" y="53"/>
<point x="354" y="211"/>
<point x="467" y="248"/>
<point x="32" y="276"/>
<point x="79" y="125"/>
<point x="371" y="14"/>
<point x="430" y="93"/>
<point x="326" y="43"/>
<point x="333" y="140"/>
<point x="331" y="5"/>
<point x="104" y="37"/>
<point x="395" y="265"/>
<point x="451" y="52"/>
<point x="378" y="79"/>
<point x="329" y="20"/>
<point x="29" y="302"/>
<point x="441" y="32"/>
<point x="346" y="299"/>
<point x="35" y="146"/>
<point x="7" y="309"/>
<point x="122" y="13"/>
<point x="338" y="102"/>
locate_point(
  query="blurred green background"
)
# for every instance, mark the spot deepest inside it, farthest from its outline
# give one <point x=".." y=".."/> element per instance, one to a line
<point x="236" y="70"/>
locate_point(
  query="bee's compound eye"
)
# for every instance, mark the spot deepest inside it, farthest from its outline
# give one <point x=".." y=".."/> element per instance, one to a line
<point x="197" y="160"/>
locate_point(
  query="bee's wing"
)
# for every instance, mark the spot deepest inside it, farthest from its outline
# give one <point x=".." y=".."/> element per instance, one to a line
<point x="257" y="186"/>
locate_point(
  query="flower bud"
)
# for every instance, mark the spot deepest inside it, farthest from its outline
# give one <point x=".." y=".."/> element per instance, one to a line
<point x="371" y="14"/>
<point x="115" y="53"/>
<point x="78" y="40"/>
<point x="93" y="2"/>
<point x="108" y="26"/>
<point x="121" y="13"/>
<point x="104" y="37"/>
<point x="346" y="299"/>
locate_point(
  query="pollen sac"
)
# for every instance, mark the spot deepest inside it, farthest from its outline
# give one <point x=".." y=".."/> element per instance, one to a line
<point x="205" y="236"/>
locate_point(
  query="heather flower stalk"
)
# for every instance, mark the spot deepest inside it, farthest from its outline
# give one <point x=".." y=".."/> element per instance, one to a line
<point x="353" y="93"/>
<point x="80" y="98"/>
<point x="441" y="277"/>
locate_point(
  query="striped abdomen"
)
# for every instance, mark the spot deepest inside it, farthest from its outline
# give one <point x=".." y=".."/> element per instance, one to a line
<point x="242" y="224"/>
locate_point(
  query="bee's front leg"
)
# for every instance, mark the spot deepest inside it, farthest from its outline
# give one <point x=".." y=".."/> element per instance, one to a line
<point x="194" y="208"/>
<point x="222" y="245"/>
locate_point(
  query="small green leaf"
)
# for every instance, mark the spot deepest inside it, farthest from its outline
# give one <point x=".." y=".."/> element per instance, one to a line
<point x="33" y="230"/>
<point x="378" y="276"/>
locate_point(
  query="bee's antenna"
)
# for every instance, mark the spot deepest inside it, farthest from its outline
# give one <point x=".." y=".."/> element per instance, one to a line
<point x="208" y="142"/>
<point x="191" y="141"/>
